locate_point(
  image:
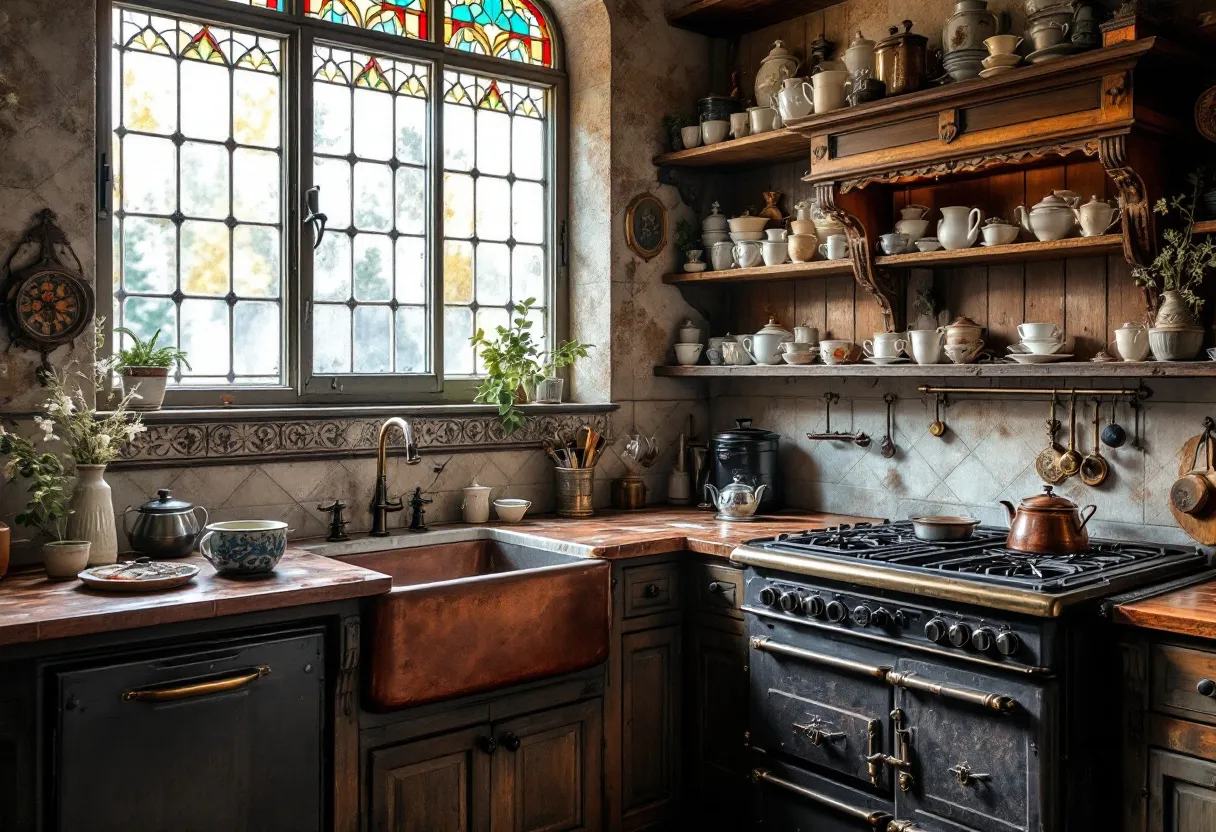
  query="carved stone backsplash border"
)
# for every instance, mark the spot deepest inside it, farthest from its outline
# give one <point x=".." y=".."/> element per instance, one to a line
<point x="229" y="440"/>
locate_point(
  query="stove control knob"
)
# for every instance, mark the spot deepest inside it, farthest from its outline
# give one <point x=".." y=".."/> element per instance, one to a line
<point x="881" y="618"/>
<point x="935" y="630"/>
<point x="1007" y="643"/>
<point x="836" y="612"/>
<point x="862" y="615"/>
<point x="814" y="606"/>
<point x="982" y="639"/>
<point x="790" y="602"/>
<point x="960" y="635"/>
<point x="768" y="596"/>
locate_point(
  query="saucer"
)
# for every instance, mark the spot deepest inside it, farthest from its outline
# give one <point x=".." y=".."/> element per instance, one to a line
<point x="994" y="71"/>
<point x="1031" y="358"/>
<point x="1002" y="60"/>
<point x="987" y="244"/>
<point x="882" y="362"/>
<point x="1060" y="50"/>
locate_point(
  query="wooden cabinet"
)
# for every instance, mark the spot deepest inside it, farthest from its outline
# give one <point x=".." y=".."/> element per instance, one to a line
<point x="535" y="773"/>
<point x="650" y="748"/>
<point x="1182" y="793"/>
<point x="225" y="736"/>
<point x="717" y="713"/>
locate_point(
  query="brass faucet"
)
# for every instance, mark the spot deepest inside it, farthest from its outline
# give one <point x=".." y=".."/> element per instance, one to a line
<point x="381" y="504"/>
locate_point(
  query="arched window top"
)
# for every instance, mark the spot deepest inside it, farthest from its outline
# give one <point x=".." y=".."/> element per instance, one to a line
<point x="406" y="18"/>
<point x="515" y="30"/>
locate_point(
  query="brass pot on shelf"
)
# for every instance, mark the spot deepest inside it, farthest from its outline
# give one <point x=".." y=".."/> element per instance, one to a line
<point x="902" y="61"/>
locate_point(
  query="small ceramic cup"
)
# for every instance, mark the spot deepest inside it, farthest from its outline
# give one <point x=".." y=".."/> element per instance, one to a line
<point x="691" y="136"/>
<point x="722" y="256"/>
<point x="836" y="248"/>
<point x="1046" y="346"/>
<point x="747" y="254"/>
<point x="761" y="118"/>
<point x="688" y="354"/>
<point x="806" y="334"/>
<point x="740" y="126"/>
<point x="714" y="131"/>
<point x="244" y="547"/>
<point x="884" y="347"/>
<point x="802" y="247"/>
<point x="714" y="356"/>
<point x="1039" y="332"/>
<point x="1002" y="44"/>
<point x="835" y="351"/>
<point x="999" y="234"/>
<point x="775" y="252"/>
<point x="511" y="510"/>
<point x="895" y="243"/>
<point x="734" y="353"/>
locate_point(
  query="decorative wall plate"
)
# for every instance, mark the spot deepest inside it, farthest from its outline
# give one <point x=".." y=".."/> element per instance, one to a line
<point x="47" y="300"/>
<point x="646" y="226"/>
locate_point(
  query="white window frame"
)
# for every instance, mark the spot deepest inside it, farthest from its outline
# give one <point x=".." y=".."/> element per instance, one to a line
<point x="301" y="386"/>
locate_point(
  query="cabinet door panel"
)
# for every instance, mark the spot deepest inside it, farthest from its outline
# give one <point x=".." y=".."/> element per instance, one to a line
<point x="434" y="785"/>
<point x="547" y="771"/>
<point x="228" y="737"/>
<point x="718" y="759"/>
<point x="1182" y="793"/>
<point x="651" y="691"/>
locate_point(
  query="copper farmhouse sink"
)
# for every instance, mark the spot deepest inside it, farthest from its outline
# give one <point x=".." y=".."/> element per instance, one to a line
<point x="467" y="617"/>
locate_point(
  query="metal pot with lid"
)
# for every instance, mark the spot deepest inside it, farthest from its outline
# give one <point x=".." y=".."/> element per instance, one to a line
<point x="164" y="527"/>
<point x="902" y="60"/>
<point x="1048" y="524"/>
<point x="751" y="452"/>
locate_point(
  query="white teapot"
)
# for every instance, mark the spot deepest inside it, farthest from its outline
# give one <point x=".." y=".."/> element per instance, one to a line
<point x="1096" y="217"/>
<point x="765" y="346"/>
<point x="795" y="99"/>
<point x="1053" y="218"/>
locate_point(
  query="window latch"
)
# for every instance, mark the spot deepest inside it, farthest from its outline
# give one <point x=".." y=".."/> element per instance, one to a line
<point x="104" y="179"/>
<point x="315" y="218"/>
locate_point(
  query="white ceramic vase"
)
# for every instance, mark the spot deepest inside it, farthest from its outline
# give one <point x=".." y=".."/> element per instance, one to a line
<point x="92" y="517"/>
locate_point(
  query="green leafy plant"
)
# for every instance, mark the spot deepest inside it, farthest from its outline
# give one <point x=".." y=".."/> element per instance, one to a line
<point x="514" y="363"/>
<point x="687" y="236"/>
<point x="47" y="508"/>
<point x="146" y="354"/>
<point x="1183" y="263"/>
<point x="672" y="123"/>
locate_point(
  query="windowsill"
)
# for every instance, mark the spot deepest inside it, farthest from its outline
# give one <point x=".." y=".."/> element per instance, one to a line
<point x="250" y="413"/>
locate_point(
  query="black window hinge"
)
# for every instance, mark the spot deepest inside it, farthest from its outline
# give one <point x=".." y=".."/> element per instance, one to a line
<point x="104" y="190"/>
<point x="563" y="246"/>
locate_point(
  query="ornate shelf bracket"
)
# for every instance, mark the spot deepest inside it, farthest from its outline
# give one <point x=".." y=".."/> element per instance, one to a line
<point x="1139" y="226"/>
<point x="873" y="280"/>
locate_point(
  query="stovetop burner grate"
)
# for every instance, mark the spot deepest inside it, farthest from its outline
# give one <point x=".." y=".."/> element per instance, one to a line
<point x="983" y="558"/>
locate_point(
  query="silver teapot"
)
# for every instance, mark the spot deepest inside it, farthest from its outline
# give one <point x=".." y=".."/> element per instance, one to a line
<point x="738" y="501"/>
<point x="164" y="527"/>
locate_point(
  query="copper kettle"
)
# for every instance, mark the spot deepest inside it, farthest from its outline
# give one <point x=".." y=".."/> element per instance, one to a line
<point x="1047" y="524"/>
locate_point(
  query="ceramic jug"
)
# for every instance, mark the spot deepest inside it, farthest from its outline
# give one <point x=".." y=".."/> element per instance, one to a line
<point x="1096" y="217"/>
<point x="778" y="65"/>
<point x="959" y="227"/>
<point x="795" y="99"/>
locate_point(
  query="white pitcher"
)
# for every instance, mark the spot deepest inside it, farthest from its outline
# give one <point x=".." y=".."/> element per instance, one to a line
<point x="959" y="227"/>
<point x="795" y="99"/>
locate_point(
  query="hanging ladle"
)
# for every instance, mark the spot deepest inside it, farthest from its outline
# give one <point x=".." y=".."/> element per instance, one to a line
<point x="1113" y="434"/>
<point x="1094" y="469"/>
<point x="888" y="444"/>
<point x="1070" y="460"/>
<point x="937" y="427"/>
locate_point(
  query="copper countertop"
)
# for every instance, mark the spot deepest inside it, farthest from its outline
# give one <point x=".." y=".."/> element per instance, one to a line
<point x="1190" y="611"/>
<point x="35" y="609"/>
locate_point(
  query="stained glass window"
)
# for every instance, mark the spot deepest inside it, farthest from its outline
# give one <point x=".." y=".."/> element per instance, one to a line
<point x="370" y="276"/>
<point x="406" y="18"/>
<point x="511" y="29"/>
<point x="272" y="5"/>
<point x="198" y="194"/>
<point x="495" y="209"/>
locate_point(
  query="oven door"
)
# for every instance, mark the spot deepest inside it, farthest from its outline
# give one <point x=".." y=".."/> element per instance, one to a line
<point x="791" y="799"/>
<point x="979" y="748"/>
<point x="824" y="703"/>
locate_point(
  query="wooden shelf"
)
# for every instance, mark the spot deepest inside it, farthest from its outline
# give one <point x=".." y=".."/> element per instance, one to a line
<point x="1205" y="227"/>
<point x="761" y="149"/>
<point x="1116" y="369"/>
<point x="731" y="18"/>
<point x="788" y="271"/>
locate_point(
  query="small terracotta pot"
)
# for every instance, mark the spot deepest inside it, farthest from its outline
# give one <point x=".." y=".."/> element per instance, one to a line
<point x="151" y="383"/>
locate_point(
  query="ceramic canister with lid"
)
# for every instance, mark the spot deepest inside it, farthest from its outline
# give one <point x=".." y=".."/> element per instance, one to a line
<point x="775" y="67"/>
<point x="902" y="62"/>
<point x="749" y="451"/>
<point x="475" y="506"/>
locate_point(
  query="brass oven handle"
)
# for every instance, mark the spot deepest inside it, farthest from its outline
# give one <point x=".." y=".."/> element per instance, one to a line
<point x="816" y="735"/>
<point x="199" y="688"/>
<point x="778" y="649"/>
<point x="965" y="776"/>
<point x="991" y="701"/>
<point x="904" y="826"/>
<point x="875" y="819"/>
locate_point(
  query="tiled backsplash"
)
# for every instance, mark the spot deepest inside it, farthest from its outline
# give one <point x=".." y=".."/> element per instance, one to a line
<point x="987" y="453"/>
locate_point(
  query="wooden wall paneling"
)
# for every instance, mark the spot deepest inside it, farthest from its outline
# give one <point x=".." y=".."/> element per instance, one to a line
<point x="914" y="281"/>
<point x="1042" y="181"/>
<point x="1088" y="179"/>
<point x="1006" y="304"/>
<point x="779" y="304"/>
<point x="1006" y="191"/>
<point x="1124" y="300"/>
<point x="838" y="299"/>
<point x="967" y="293"/>
<point x="1085" y="305"/>
<point x="810" y="306"/>
<point x="1045" y="292"/>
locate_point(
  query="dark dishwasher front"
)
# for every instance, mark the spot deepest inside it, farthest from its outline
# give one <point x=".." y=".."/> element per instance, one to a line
<point x="222" y="736"/>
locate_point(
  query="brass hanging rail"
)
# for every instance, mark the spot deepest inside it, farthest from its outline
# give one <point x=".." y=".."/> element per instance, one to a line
<point x="1137" y="393"/>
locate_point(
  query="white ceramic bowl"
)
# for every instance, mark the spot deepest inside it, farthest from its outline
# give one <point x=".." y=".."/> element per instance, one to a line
<point x="746" y="236"/>
<point x="511" y="510"/>
<point x="714" y="131"/>
<point x="748" y="224"/>
<point x="928" y="244"/>
<point x="799" y="357"/>
<point x="688" y="354"/>
<point x="1043" y="347"/>
<point x="999" y="234"/>
<point x="803" y="227"/>
<point x="692" y="268"/>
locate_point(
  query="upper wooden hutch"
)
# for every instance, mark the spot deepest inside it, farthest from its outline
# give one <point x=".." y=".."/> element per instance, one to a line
<point x="1118" y="118"/>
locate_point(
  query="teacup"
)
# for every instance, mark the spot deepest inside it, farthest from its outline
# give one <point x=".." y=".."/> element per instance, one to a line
<point x="761" y="118"/>
<point x="806" y="334"/>
<point x="1002" y="44"/>
<point x="714" y="131"/>
<point x="895" y="243"/>
<point x="1039" y="332"/>
<point x="688" y="354"/>
<point x="747" y="254"/>
<point x="885" y="345"/>
<point x="926" y="345"/>
<point x="1047" y="346"/>
<point x="835" y="351"/>
<point x="836" y="248"/>
<point x="244" y="547"/>
<point x="999" y="234"/>
<point x="795" y="346"/>
<point x="691" y="136"/>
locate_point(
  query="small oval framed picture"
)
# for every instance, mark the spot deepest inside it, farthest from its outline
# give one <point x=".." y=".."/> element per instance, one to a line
<point x="646" y="226"/>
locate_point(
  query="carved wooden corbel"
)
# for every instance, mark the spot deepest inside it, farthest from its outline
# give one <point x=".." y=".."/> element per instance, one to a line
<point x="873" y="280"/>
<point x="948" y="126"/>
<point x="1139" y="227"/>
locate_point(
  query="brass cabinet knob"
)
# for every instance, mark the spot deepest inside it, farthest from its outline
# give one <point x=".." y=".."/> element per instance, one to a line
<point x="1206" y="687"/>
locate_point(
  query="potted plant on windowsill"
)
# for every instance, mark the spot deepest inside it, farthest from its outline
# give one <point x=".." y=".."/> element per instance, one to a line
<point x="517" y="369"/>
<point x="144" y="367"/>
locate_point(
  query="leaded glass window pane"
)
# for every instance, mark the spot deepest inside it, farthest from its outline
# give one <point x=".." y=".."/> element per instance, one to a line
<point x="405" y="19"/>
<point x="495" y="204"/>
<point x="198" y="193"/>
<point x="369" y="273"/>
<point x="511" y="29"/>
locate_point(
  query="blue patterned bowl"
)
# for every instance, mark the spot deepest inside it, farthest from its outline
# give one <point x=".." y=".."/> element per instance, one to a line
<point x="244" y="547"/>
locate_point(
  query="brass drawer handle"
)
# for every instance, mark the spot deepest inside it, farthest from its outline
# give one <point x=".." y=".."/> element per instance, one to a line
<point x="876" y="819"/>
<point x="991" y="701"/>
<point x="1206" y="687"/>
<point x="198" y="689"/>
